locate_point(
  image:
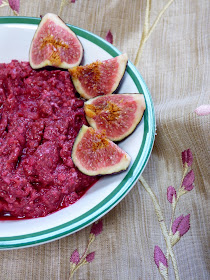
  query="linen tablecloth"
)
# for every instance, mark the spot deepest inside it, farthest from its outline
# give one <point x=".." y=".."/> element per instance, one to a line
<point x="174" y="64"/>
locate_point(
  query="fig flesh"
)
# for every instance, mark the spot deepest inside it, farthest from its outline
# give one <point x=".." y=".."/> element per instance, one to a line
<point x="99" y="78"/>
<point x="115" y="115"/>
<point x="94" y="154"/>
<point x="54" y="44"/>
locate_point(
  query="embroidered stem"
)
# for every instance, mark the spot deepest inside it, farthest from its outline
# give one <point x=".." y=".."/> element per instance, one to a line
<point x="148" y="30"/>
<point x="76" y="268"/>
<point x="4" y="3"/>
<point x="82" y="260"/>
<point x="177" y="199"/>
<point x="147" y="17"/>
<point x="63" y="3"/>
<point x="174" y="207"/>
<point x="91" y="239"/>
<point x="162" y="225"/>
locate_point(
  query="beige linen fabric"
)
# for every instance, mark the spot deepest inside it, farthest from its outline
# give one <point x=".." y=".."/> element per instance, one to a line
<point x="174" y="64"/>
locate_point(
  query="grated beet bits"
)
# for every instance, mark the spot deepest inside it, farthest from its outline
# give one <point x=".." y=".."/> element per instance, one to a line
<point x="40" y="117"/>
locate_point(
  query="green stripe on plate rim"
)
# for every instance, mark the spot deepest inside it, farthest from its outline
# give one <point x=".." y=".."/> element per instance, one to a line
<point x="131" y="177"/>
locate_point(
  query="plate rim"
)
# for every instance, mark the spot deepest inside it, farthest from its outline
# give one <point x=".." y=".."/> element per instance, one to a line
<point x="53" y="233"/>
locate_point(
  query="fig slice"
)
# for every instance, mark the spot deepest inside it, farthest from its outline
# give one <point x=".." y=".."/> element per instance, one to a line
<point x="54" y="44"/>
<point x="115" y="115"/>
<point x="94" y="154"/>
<point x="100" y="77"/>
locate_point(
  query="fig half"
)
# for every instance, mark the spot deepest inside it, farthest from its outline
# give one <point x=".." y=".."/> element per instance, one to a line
<point x="99" y="78"/>
<point x="94" y="154"/>
<point x="115" y="115"/>
<point x="54" y="44"/>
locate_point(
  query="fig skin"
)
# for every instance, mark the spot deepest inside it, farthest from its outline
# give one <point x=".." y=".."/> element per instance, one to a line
<point x="93" y="154"/>
<point x="55" y="58"/>
<point x="99" y="82"/>
<point x="119" y="120"/>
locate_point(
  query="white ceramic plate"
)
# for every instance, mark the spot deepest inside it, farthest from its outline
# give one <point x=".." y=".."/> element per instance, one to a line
<point x="15" y="37"/>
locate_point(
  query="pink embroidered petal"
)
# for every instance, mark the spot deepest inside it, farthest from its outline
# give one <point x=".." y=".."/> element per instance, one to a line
<point x="184" y="225"/>
<point x="75" y="258"/>
<point x="187" y="157"/>
<point x="159" y="257"/>
<point x="188" y="181"/>
<point x="14" y="5"/>
<point x="1" y="1"/>
<point x="189" y="188"/>
<point x="90" y="257"/>
<point x="170" y="193"/>
<point x="176" y="224"/>
<point x="203" y="110"/>
<point x="109" y="37"/>
<point x="181" y="224"/>
<point x="97" y="228"/>
<point x="72" y="1"/>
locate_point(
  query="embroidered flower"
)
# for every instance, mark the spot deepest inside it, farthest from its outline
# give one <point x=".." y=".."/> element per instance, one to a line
<point x="187" y="157"/>
<point x="159" y="257"/>
<point x="171" y="194"/>
<point x="75" y="258"/>
<point x="188" y="181"/>
<point x="161" y="262"/>
<point x="109" y="37"/>
<point x="97" y="228"/>
<point x="90" y="257"/>
<point x="181" y="225"/>
<point x="203" y="110"/>
<point x="14" y="5"/>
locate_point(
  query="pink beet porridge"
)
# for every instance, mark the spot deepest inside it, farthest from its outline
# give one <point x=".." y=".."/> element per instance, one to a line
<point x="40" y="117"/>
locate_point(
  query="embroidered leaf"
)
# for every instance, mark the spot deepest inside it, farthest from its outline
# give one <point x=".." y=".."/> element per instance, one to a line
<point x="14" y="5"/>
<point x="171" y="192"/>
<point x="181" y="224"/>
<point x="203" y="110"/>
<point x="159" y="257"/>
<point x="90" y="257"/>
<point x="97" y="228"/>
<point x="187" y="157"/>
<point x="75" y="258"/>
<point x="188" y="181"/>
<point x="109" y="37"/>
